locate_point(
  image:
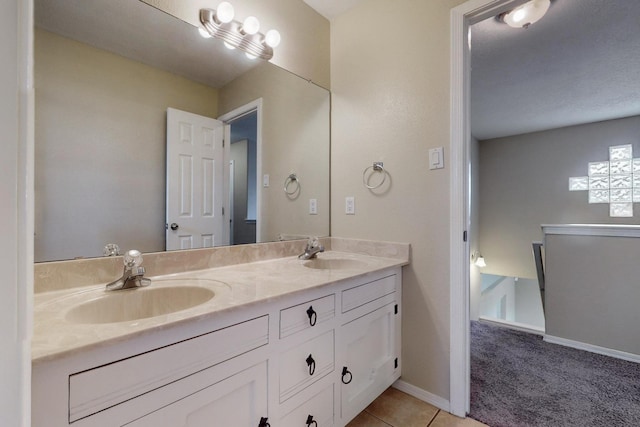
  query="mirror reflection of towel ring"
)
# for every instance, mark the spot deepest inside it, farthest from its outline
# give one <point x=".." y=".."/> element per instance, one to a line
<point x="289" y="182"/>
<point x="376" y="167"/>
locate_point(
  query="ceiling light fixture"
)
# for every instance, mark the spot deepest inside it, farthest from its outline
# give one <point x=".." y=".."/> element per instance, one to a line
<point x="245" y="35"/>
<point x="526" y="14"/>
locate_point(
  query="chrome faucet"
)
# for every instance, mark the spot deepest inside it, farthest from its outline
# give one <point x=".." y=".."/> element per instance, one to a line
<point x="312" y="249"/>
<point x="132" y="276"/>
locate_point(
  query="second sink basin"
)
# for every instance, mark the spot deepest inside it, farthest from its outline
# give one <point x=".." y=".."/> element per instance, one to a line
<point x="333" y="263"/>
<point x="138" y="303"/>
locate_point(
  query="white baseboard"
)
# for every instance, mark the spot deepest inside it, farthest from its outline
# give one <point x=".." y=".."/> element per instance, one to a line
<point x="423" y="395"/>
<point x="593" y="348"/>
<point x="523" y="327"/>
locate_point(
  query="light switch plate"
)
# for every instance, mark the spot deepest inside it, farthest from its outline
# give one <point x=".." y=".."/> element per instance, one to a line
<point x="313" y="206"/>
<point x="436" y="158"/>
<point x="350" y="205"/>
<point x="265" y="180"/>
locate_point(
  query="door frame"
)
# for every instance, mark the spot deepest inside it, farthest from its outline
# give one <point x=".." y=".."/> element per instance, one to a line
<point x="461" y="18"/>
<point x="229" y="117"/>
<point x="232" y="182"/>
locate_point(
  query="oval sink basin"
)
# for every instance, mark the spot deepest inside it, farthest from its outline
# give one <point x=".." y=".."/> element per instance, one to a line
<point x="333" y="263"/>
<point x="138" y="303"/>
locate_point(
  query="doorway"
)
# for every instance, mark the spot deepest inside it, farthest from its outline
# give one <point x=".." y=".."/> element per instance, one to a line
<point x="244" y="152"/>
<point x="470" y="13"/>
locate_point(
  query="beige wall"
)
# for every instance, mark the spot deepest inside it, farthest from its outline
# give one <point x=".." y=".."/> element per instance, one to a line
<point x="304" y="49"/>
<point x="390" y="103"/>
<point x="524" y="182"/>
<point x="592" y="290"/>
<point x="295" y="135"/>
<point x="100" y="147"/>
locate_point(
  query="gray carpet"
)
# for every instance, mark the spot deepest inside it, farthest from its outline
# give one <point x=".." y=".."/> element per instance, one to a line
<point x="518" y="380"/>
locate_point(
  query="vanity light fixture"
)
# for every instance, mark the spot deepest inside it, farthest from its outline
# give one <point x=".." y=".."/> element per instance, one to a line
<point x="526" y="14"/>
<point x="245" y="35"/>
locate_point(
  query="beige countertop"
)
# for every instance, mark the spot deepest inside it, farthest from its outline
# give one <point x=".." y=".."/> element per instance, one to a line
<point x="240" y="285"/>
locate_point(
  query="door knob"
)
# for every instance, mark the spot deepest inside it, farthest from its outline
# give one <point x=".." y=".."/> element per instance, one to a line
<point x="174" y="226"/>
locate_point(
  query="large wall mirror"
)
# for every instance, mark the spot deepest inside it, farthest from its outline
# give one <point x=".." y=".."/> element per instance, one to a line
<point x="106" y="72"/>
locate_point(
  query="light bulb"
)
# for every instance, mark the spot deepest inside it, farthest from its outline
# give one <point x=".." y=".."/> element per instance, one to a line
<point x="250" y="56"/>
<point x="519" y="15"/>
<point x="224" y="12"/>
<point x="480" y="262"/>
<point x="272" y="38"/>
<point x="229" y="46"/>
<point x="251" y="25"/>
<point x="204" y="33"/>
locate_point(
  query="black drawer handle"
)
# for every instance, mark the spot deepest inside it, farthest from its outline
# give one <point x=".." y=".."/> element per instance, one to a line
<point x="311" y="364"/>
<point x="346" y="373"/>
<point x="311" y="422"/>
<point x="313" y="316"/>
<point x="263" y="422"/>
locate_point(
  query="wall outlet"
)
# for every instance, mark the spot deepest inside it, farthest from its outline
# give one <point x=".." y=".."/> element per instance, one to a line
<point x="265" y="180"/>
<point x="313" y="206"/>
<point x="350" y="205"/>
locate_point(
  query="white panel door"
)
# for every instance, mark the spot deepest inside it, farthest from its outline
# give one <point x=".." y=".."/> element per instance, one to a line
<point x="195" y="181"/>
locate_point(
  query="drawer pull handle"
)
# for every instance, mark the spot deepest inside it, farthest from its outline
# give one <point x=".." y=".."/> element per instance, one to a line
<point x="346" y="373"/>
<point x="263" y="422"/>
<point x="311" y="422"/>
<point x="311" y="364"/>
<point x="313" y="316"/>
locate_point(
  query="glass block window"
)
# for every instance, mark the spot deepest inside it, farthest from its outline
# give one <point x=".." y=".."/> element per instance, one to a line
<point x="616" y="181"/>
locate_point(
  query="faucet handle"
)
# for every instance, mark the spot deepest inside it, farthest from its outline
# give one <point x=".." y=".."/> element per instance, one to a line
<point x="132" y="259"/>
<point x="111" y="249"/>
<point x="313" y="242"/>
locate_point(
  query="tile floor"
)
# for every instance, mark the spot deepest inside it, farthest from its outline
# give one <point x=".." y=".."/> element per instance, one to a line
<point x="397" y="409"/>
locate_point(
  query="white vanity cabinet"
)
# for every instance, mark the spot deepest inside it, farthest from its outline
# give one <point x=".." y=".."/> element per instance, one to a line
<point x="313" y="358"/>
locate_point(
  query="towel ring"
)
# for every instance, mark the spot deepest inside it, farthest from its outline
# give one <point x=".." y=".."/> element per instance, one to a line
<point x="291" y="179"/>
<point x="376" y="167"/>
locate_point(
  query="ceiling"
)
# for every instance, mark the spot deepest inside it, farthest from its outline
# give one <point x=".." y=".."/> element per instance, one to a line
<point x="140" y="32"/>
<point x="331" y="8"/>
<point x="579" y="64"/>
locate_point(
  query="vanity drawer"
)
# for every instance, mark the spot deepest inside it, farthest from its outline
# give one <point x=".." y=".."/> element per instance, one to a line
<point x="307" y="315"/>
<point x="306" y="363"/>
<point x="320" y="408"/>
<point x="360" y="295"/>
<point x="106" y="386"/>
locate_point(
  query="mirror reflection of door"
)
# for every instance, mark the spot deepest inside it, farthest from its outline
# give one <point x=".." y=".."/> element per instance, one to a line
<point x="243" y="192"/>
<point x="195" y="181"/>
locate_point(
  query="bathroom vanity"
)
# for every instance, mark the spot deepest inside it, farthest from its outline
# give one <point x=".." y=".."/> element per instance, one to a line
<point x="281" y="342"/>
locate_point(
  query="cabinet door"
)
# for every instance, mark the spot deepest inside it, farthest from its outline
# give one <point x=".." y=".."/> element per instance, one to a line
<point x="319" y="409"/>
<point x="239" y="401"/>
<point x="370" y="347"/>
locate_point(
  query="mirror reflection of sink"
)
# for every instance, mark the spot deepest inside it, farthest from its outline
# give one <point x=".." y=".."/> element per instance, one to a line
<point x="139" y="303"/>
<point x="333" y="263"/>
